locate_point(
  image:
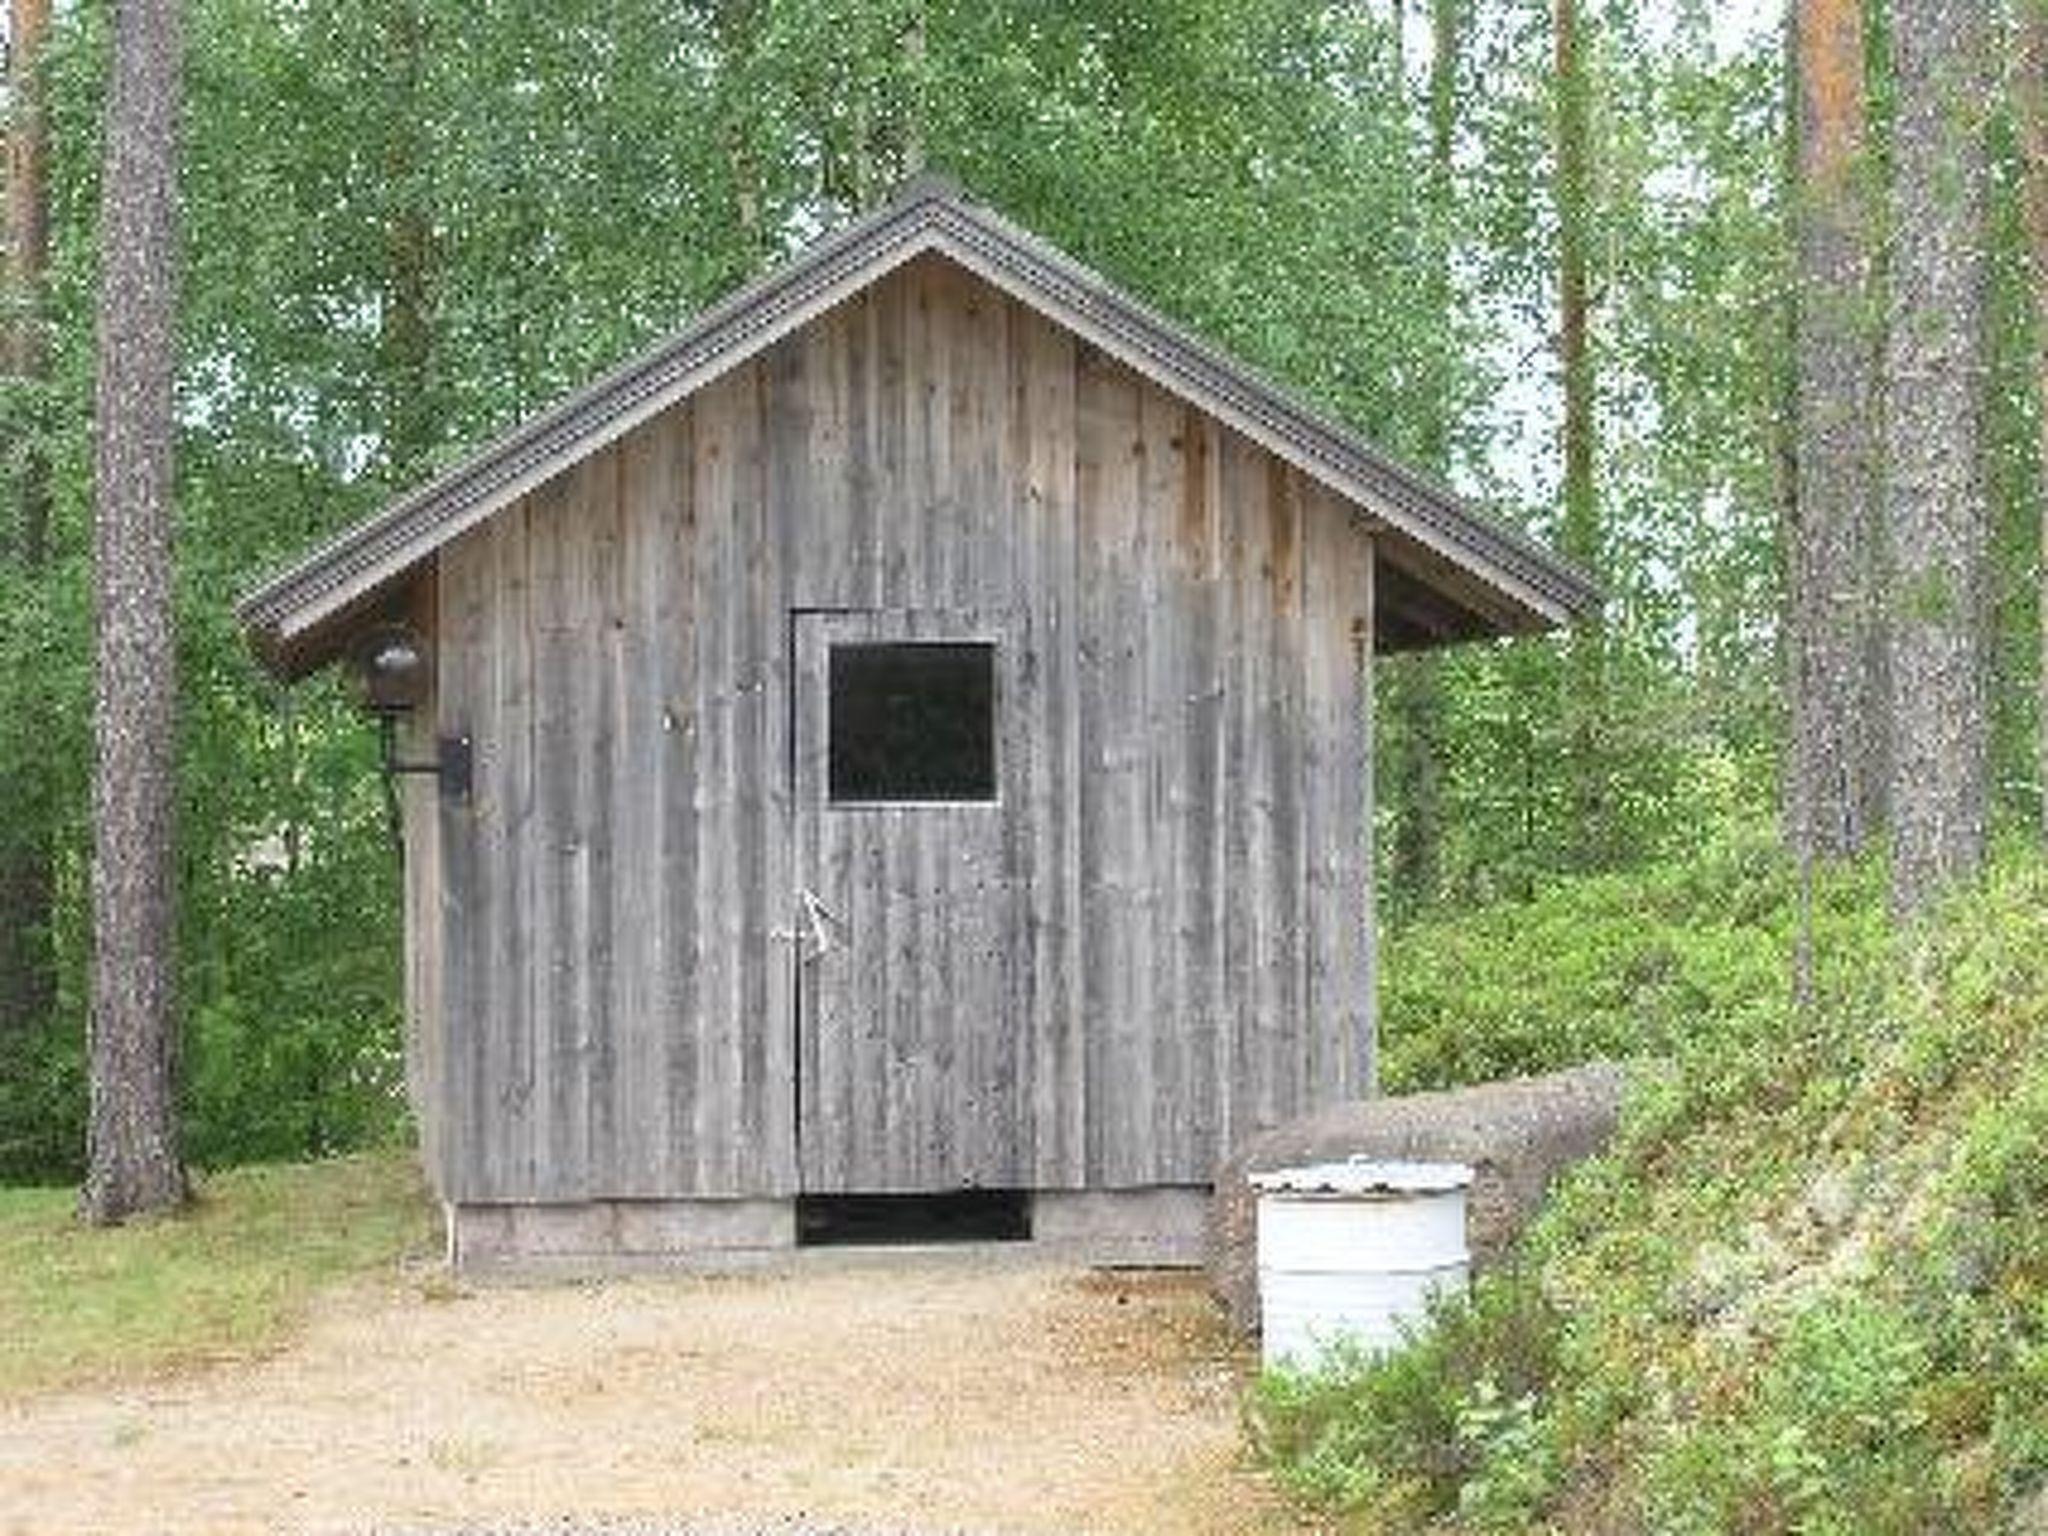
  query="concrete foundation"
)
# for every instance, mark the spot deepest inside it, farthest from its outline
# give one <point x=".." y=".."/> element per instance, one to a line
<point x="1160" y="1227"/>
<point x="1156" y="1227"/>
<point x="602" y="1235"/>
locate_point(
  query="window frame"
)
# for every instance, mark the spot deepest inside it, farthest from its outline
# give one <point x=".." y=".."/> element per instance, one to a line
<point x="992" y="720"/>
<point x="815" y="630"/>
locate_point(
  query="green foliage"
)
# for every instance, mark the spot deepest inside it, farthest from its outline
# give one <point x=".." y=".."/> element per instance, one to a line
<point x="1689" y="330"/>
<point x="1629" y="964"/>
<point x="1389" y="1434"/>
<point x="1807" y="1290"/>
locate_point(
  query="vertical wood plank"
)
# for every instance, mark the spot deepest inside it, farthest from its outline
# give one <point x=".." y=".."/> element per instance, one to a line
<point x="934" y="446"/>
<point x="599" y="585"/>
<point x="989" y="1042"/>
<point x="420" y="809"/>
<point x="674" y="572"/>
<point x="890" y="521"/>
<point x="1169" y="1150"/>
<point x="464" y="700"/>
<point x="1242" y="1068"/>
<point x="721" y="451"/>
<point x="1198" y="874"/>
<point x="1326" y="641"/>
<point x="556" y="535"/>
<point x="507" y="1077"/>
<point x="800" y="460"/>
<point x="756" y="768"/>
<point x="641" y="925"/>
<point x="1363" y="1025"/>
<point x="1116" y="814"/>
<point x="1283" y="1019"/>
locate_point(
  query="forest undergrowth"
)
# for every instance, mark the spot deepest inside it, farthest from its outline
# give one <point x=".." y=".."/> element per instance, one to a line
<point x="1806" y="1290"/>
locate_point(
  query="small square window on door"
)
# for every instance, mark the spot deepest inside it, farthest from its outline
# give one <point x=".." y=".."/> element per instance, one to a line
<point x="911" y="721"/>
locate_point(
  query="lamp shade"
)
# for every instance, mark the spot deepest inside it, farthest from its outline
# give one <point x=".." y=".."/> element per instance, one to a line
<point x="391" y="670"/>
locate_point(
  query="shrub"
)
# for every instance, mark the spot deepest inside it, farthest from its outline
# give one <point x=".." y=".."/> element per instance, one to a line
<point x="1807" y="1287"/>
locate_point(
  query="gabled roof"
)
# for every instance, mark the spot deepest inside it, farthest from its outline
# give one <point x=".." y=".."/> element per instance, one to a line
<point x="1502" y="581"/>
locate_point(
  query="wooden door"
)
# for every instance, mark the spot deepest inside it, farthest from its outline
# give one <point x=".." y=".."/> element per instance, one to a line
<point x="908" y="923"/>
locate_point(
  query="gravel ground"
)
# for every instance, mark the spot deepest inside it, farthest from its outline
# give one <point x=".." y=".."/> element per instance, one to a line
<point x="921" y="1395"/>
<point x="647" y="1527"/>
<point x="655" y="1527"/>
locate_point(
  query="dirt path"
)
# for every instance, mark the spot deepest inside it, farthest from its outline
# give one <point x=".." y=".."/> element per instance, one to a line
<point x="930" y="1392"/>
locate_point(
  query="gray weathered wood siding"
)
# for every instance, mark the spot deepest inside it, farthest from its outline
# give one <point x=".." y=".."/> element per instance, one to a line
<point x="1186" y="821"/>
<point x="425" y="1039"/>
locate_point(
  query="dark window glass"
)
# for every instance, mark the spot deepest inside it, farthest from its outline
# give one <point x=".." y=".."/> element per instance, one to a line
<point x="913" y="722"/>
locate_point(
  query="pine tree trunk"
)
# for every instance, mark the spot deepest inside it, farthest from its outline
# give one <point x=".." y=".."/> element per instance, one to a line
<point x="1935" y="499"/>
<point x="133" y="1162"/>
<point x="2032" y="101"/>
<point x="1838" y="775"/>
<point x="28" y="979"/>
<point x="1580" y="534"/>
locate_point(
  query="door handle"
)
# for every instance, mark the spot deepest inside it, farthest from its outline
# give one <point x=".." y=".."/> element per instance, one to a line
<point x="819" y="927"/>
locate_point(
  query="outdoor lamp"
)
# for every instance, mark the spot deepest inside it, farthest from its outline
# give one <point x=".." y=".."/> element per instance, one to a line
<point x="392" y="675"/>
<point x="391" y="670"/>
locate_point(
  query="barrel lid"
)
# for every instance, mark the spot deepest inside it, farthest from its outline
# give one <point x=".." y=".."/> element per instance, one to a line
<point x="1365" y="1176"/>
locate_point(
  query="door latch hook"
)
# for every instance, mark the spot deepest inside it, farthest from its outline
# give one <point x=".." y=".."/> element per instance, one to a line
<point x="821" y="929"/>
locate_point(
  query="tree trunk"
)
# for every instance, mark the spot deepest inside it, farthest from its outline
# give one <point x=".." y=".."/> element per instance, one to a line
<point x="132" y="1153"/>
<point x="1416" y="691"/>
<point x="28" y="978"/>
<point x="915" y="68"/>
<point x="412" y="415"/>
<point x="1935" y="499"/>
<point x="1837" y="779"/>
<point x="2031" y="89"/>
<point x="734" y="21"/>
<point x="1580" y="533"/>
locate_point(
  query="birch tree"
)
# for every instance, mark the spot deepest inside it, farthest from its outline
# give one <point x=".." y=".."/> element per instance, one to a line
<point x="1580" y="531"/>
<point x="1415" y="684"/>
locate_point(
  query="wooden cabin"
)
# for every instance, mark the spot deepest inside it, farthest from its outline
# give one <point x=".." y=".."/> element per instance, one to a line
<point x="907" y="733"/>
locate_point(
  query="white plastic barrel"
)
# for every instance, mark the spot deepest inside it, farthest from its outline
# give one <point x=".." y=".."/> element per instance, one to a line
<point x="1354" y="1250"/>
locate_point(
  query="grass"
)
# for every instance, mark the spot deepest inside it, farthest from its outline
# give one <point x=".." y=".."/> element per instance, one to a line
<point x="227" y="1279"/>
